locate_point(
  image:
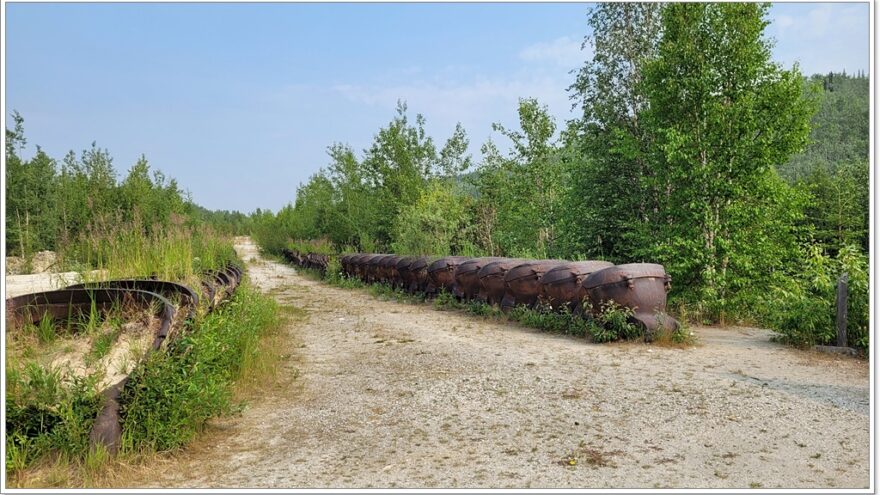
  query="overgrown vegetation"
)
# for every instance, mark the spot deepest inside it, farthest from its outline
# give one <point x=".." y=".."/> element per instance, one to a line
<point x="50" y="406"/>
<point x="171" y="396"/>
<point x="693" y="149"/>
<point x="55" y="203"/>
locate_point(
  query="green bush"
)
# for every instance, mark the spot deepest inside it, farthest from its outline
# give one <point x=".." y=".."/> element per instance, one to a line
<point x="802" y="309"/>
<point x="613" y="322"/>
<point x="171" y="395"/>
<point x="47" y="409"/>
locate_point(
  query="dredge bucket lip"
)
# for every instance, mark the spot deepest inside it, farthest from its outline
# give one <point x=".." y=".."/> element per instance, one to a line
<point x="621" y="273"/>
<point x="448" y="262"/>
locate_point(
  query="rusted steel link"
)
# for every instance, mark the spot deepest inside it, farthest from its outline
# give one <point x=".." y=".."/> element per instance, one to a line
<point x="162" y="287"/>
<point x="561" y="286"/>
<point x="80" y="299"/>
<point x="522" y="283"/>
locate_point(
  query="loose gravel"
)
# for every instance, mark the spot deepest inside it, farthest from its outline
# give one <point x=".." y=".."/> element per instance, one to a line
<point x="383" y="394"/>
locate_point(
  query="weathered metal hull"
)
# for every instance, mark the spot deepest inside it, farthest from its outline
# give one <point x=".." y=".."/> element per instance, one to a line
<point x="441" y="274"/>
<point x="492" y="279"/>
<point x="419" y="272"/>
<point x="467" y="281"/>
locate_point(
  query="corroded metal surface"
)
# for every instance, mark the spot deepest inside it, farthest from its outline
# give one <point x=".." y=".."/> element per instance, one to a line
<point x="641" y="287"/>
<point x="491" y="277"/>
<point x="522" y="283"/>
<point x="441" y="274"/>
<point x="467" y="282"/>
<point x="561" y="285"/>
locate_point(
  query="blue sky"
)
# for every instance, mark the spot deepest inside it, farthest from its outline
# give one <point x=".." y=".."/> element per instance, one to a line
<point x="239" y="101"/>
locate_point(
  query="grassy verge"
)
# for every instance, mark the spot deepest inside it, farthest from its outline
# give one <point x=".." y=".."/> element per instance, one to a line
<point x="50" y="408"/>
<point x="171" y="396"/>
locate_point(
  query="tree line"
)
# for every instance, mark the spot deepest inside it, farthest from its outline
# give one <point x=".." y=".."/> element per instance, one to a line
<point x="49" y="203"/>
<point x="692" y="148"/>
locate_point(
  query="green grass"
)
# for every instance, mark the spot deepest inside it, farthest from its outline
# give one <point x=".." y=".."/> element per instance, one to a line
<point x="120" y="249"/>
<point x="170" y="397"/>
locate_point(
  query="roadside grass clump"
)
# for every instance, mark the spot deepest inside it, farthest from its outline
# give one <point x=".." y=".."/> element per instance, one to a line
<point x="544" y="318"/>
<point x="386" y="292"/>
<point x="120" y="248"/>
<point x="170" y="396"/>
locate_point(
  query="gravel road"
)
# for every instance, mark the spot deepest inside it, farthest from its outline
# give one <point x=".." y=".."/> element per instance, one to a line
<point x="383" y="394"/>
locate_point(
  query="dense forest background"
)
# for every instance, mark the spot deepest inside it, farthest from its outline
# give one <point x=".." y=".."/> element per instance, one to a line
<point x="747" y="180"/>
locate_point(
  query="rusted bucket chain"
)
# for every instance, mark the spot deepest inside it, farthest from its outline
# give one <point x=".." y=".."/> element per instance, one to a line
<point x="80" y="299"/>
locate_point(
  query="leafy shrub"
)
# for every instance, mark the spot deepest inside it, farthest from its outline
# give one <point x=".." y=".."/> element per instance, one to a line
<point x="47" y="409"/>
<point x="802" y="309"/>
<point x="614" y="322"/>
<point x="171" y="395"/>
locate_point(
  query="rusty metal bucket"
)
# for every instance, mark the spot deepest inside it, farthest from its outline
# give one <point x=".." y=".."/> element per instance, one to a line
<point x="561" y="285"/>
<point x="441" y="274"/>
<point x="467" y="283"/>
<point x="403" y="275"/>
<point x="359" y="265"/>
<point x="641" y="287"/>
<point x="371" y="267"/>
<point x="388" y="269"/>
<point x="491" y="278"/>
<point x="522" y="283"/>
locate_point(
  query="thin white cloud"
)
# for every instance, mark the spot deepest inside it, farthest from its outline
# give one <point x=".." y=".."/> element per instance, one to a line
<point x="476" y="103"/>
<point x="463" y="100"/>
<point x="565" y="51"/>
<point x="821" y="37"/>
<point x="819" y="21"/>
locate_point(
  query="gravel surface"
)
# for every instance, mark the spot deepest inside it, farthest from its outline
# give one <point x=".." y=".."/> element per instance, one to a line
<point x="383" y="394"/>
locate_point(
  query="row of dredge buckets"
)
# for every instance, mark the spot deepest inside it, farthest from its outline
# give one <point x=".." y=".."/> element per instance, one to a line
<point x="509" y="282"/>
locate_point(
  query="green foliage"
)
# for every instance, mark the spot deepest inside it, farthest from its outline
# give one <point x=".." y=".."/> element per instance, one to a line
<point x="613" y="322"/>
<point x="49" y="206"/>
<point x="357" y="203"/>
<point x="125" y="249"/>
<point x="803" y="309"/>
<point x="839" y="208"/>
<point x="711" y="193"/>
<point x="543" y="318"/>
<point x="519" y="195"/>
<point x="607" y="201"/>
<point x="839" y="129"/>
<point x="439" y="222"/>
<point x="47" y="410"/>
<point x="171" y="395"/>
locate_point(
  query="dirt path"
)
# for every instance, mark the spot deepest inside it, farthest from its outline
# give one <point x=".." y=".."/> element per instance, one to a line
<point x="384" y="394"/>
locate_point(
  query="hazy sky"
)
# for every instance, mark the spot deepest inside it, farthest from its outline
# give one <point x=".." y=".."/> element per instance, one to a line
<point x="239" y="101"/>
